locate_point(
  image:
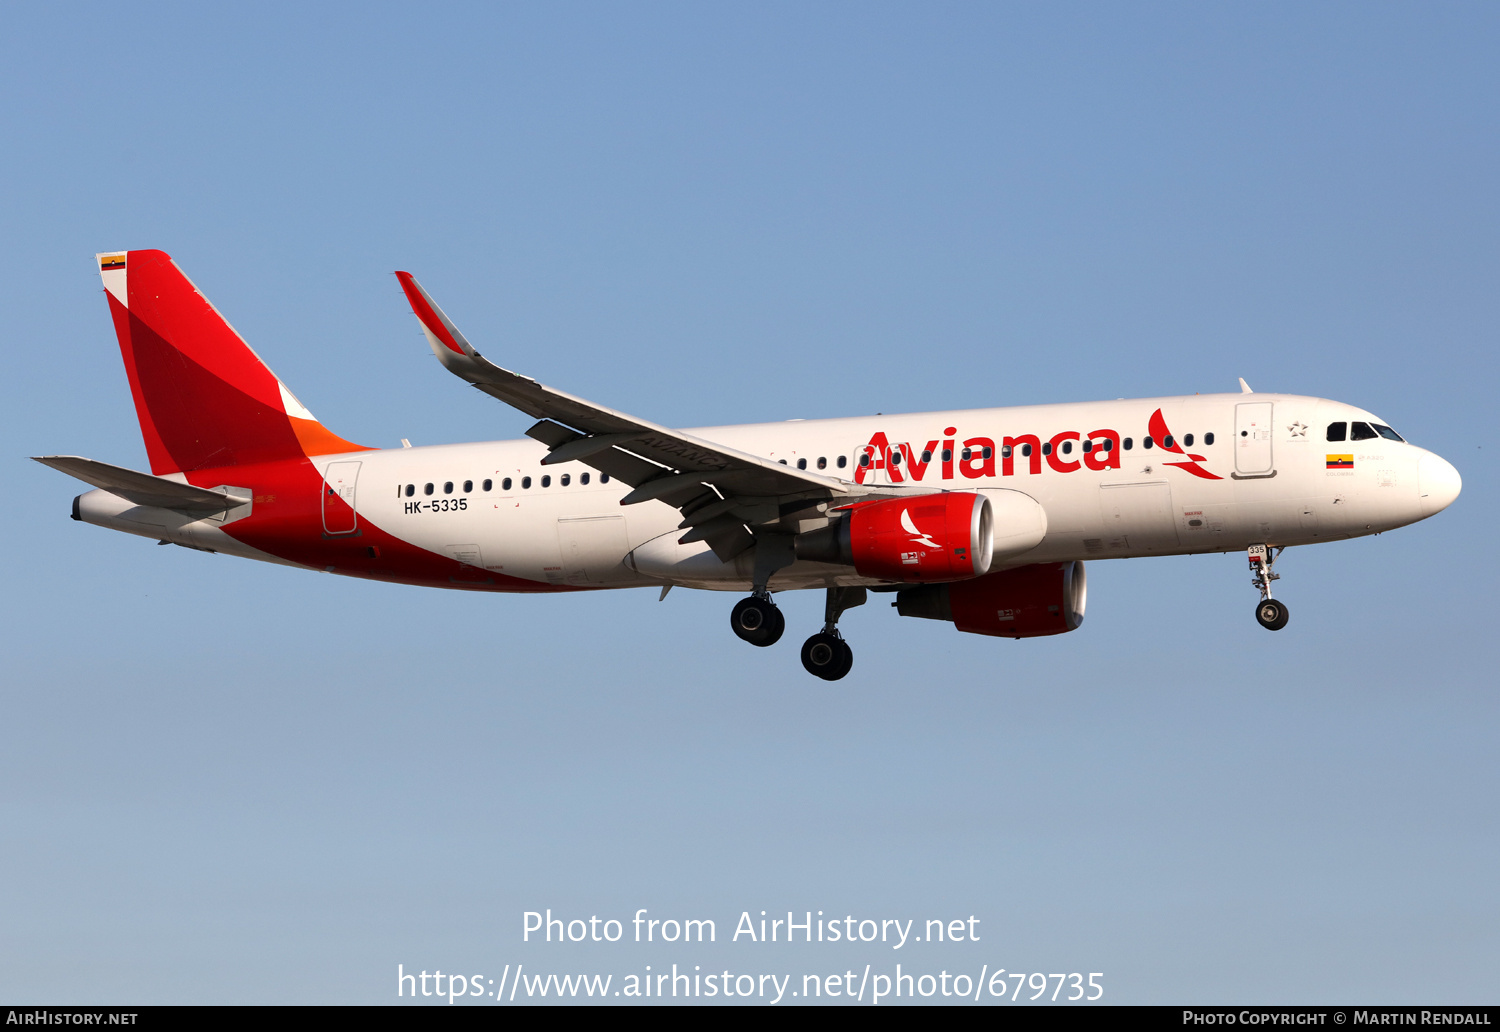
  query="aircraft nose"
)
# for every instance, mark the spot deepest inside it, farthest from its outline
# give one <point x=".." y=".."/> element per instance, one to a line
<point x="1438" y="483"/>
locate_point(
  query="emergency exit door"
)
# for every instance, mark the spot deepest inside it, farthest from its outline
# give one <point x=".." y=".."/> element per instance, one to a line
<point x="338" y="497"/>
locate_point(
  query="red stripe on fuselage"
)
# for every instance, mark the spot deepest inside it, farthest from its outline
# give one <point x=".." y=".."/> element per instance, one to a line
<point x="286" y="521"/>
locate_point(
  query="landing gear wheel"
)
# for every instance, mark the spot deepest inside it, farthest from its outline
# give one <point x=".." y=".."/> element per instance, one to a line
<point x="1272" y="614"/>
<point x="827" y="656"/>
<point x="758" y="621"/>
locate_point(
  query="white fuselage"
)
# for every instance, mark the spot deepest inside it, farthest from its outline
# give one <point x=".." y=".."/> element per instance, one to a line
<point x="1269" y="476"/>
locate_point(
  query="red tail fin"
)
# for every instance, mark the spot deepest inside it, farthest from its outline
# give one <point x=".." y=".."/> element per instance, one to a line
<point x="203" y="397"/>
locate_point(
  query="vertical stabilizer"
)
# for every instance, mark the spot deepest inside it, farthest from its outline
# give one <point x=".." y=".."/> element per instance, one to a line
<point x="203" y="397"/>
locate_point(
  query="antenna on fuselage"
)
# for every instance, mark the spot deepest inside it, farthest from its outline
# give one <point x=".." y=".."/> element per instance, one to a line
<point x="1245" y="387"/>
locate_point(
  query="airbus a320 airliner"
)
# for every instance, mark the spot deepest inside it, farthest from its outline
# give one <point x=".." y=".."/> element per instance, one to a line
<point x="980" y="517"/>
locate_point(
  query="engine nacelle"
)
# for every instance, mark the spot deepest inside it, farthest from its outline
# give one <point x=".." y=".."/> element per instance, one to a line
<point x="1027" y="602"/>
<point x="925" y="539"/>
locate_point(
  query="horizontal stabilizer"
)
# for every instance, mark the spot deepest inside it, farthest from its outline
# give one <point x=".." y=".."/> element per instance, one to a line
<point x="142" y="488"/>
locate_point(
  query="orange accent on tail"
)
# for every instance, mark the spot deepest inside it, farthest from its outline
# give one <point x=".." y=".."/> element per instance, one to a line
<point x="203" y="397"/>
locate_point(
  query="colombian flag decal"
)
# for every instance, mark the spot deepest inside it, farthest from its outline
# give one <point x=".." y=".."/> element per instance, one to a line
<point x="111" y="261"/>
<point x="1341" y="462"/>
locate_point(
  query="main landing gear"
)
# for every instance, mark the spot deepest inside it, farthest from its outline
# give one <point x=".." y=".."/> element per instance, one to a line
<point x="1271" y="613"/>
<point x="757" y="620"/>
<point x="826" y="654"/>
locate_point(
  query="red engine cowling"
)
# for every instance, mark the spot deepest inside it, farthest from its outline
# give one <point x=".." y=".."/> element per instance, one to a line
<point x="937" y="537"/>
<point x="1028" y="602"/>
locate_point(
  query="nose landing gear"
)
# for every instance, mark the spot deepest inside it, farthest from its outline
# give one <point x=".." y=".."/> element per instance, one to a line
<point x="1269" y="612"/>
<point x="826" y="654"/>
<point x="1272" y="614"/>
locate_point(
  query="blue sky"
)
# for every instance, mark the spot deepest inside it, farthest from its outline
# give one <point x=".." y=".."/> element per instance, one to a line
<point x="228" y="782"/>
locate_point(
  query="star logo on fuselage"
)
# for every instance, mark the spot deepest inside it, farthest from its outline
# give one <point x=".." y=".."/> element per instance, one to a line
<point x="1298" y="429"/>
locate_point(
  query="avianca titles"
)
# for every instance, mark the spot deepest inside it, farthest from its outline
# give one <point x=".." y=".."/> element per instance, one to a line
<point x="980" y="517"/>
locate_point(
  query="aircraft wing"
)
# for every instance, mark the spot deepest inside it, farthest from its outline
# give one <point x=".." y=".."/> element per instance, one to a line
<point x="142" y="488"/>
<point x="719" y="490"/>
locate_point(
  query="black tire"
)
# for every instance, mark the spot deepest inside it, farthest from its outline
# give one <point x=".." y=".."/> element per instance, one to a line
<point x="821" y="654"/>
<point x="846" y="663"/>
<point x="827" y="656"/>
<point x="776" y="627"/>
<point x="757" y="621"/>
<point x="1272" y="614"/>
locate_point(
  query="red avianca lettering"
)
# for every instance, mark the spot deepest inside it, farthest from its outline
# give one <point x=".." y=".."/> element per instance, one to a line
<point x="1099" y="450"/>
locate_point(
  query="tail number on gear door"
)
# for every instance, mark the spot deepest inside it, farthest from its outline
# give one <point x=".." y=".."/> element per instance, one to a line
<point x="437" y="505"/>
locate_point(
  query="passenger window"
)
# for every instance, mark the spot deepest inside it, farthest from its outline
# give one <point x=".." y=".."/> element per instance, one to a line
<point x="843" y="460"/>
<point x="468" y="486"/>
<point x="1208" y="438"/>
<point x="411" y="489"/>
<point x="1026" y="450"/>
<point x="427" y="489"/>
<point x="987" y="453"/>
<point x="1128" y="443"/>
<point x="947" y="454"/>
<point x="1387" y="432"/>
<point x="967" y="454"/>
<point x="895" y="457"/>
<point x="1005" y="451"/>
<point x="547" y="480"/>
<point x="1088" y="446"/>
<point x="448" y="487"/>
<point x="864" y="461"/>
<point x="1338" y="431"/>
<point x="525" y="483"/>
<point x="822" y="462"/>
<point x="487" y="485"/>
<point x="1187" y="440"/>
<point x="1166" y="442"/>
<point x="505" y="484"/>
<point x="782" y="461"/>
<point x="603" y="478"/>
<point x="565" y="478"/>
<point x="926" y="455"/>
<point x="1067" y="447"/>
<point x="1361" y="432"/>
<point x="1047" y="448"/>
<point x="583" y="479"/>
<point x="801" y="463"/>
<point x="1147" y="442"/>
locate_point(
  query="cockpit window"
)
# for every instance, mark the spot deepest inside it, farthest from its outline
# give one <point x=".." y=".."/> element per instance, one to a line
<point x="1387" y="433"/>
<point x="1361" y="432"/>
<point x="1338" y="431"/>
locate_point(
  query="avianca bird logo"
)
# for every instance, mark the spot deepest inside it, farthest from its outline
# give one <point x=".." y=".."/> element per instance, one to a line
<point x="1158" y="428"/>
<point x="916" y="535"/>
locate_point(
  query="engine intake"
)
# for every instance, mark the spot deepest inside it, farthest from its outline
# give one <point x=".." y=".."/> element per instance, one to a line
<point x="1027" y="602"/>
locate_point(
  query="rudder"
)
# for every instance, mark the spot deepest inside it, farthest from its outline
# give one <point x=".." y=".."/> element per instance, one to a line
<point x="202" y="396"/>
